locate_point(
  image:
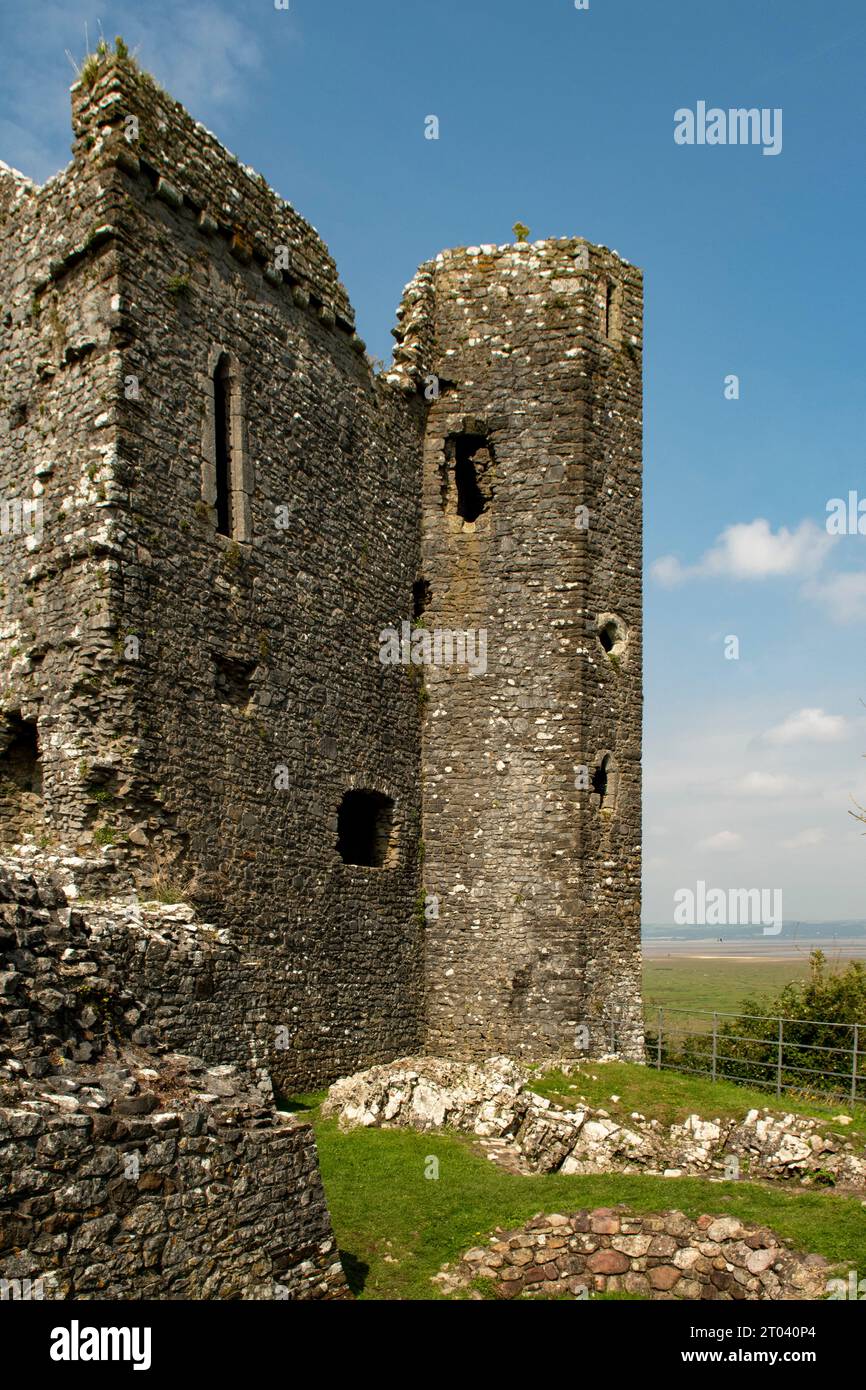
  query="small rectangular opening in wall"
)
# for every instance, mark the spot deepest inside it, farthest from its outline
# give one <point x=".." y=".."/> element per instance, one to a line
<point x="611" y="311"/>
<point x="20" y="777"/>
<point x="365" y="828"/>
<point x="232" y="679"/>
<point x="421" y="593"/>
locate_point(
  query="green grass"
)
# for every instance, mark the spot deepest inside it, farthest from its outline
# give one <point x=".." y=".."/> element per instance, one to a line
<point x="669" y="1096"/>
<point x="714" y="984"/>
<point x="396" y="1228"/>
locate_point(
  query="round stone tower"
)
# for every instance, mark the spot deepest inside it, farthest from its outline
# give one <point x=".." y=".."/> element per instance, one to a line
<point x="530" y="593"/>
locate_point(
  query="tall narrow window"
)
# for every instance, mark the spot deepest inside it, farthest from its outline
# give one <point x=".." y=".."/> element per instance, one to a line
<point x="605" y="784"/>
<point x="599" y="779"/>
<point x="470" y="456"/>
<point x="227" y="470"/>
<point x="222" y="400"/>
<point x="20" y="777"/>
<point x="611" y="318"/>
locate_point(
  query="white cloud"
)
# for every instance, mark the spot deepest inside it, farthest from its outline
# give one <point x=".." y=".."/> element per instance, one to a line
<point x="808" y="726"/>
<point x="766" y="784"/>
<point x="724" y="841"/>
<point x="202" y="52"/>
<point x="752" y="550"/>
<point x="843" y="596"/>
<point x="203" y="55"/>
<point x="667" y="571"/>
<point x="805" y="839"/>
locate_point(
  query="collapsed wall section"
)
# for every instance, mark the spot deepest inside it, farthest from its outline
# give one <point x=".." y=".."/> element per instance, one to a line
<point x="531" y="550"/>
<point x="128" y="1170"/>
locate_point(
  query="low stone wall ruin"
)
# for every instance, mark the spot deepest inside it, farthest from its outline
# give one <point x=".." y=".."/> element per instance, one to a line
<point x="664" y="1256"/>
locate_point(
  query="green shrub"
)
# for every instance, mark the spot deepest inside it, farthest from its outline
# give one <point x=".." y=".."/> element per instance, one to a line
<point x="819" y="1014"/>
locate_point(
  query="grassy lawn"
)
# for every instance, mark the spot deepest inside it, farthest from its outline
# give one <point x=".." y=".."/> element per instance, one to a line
<point x="396" y="1227"/>
<point x="670" y="1096"/>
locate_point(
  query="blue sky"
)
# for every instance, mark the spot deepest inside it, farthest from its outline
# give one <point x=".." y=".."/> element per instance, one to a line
<point x="754" y="266"/>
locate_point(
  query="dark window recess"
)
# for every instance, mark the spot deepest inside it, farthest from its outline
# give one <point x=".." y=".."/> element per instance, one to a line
<point x="599" y="778"/>
<point x="607" y="636"/>
<point x="421" y="594"/>
<point x="20" y="770"/>
<point x="472" y="459"/>
<point x="364" y="824"/>
<point x="222" y="396"/>
<point x="232" y="680"/>
<point x="20" y="778"/>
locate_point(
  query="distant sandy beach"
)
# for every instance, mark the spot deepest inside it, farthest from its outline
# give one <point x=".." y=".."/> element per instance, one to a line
<point x="765" y="948"/>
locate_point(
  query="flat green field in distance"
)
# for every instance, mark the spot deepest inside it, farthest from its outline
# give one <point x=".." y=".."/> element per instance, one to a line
<point x="690" y="983"/>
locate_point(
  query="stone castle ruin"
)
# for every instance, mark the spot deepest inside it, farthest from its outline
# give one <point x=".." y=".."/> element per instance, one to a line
<point x="321" y="691"/>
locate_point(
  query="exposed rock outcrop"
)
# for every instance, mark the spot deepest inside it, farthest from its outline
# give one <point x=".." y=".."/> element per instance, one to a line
<point x="494" y="1101"/>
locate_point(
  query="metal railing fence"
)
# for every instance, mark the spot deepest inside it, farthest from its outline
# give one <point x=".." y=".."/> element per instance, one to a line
<point x="809" y="1056"/>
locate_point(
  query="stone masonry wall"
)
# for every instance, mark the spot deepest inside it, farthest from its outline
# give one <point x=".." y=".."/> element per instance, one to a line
<point x="534" y="865"/>
<point x="126" y="1170"/>
<point x="58" y="279"/>
<point x="240" y="674"/>
<point x="196" y="695"/>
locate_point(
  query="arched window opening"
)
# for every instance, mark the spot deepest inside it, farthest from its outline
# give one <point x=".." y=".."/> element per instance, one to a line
<point x="604" y="784"/>
<point x="599" y="778"/>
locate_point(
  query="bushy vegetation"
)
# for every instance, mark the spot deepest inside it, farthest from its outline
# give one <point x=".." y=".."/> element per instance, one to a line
<point x="820" y="1014"/>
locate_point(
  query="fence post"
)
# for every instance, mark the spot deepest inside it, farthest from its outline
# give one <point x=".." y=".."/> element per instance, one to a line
<point x="854" y="1062"/>
<point x="659" y="1043"/>
<point x="715" y="1041"/>
<point x="779" y="1064"/>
